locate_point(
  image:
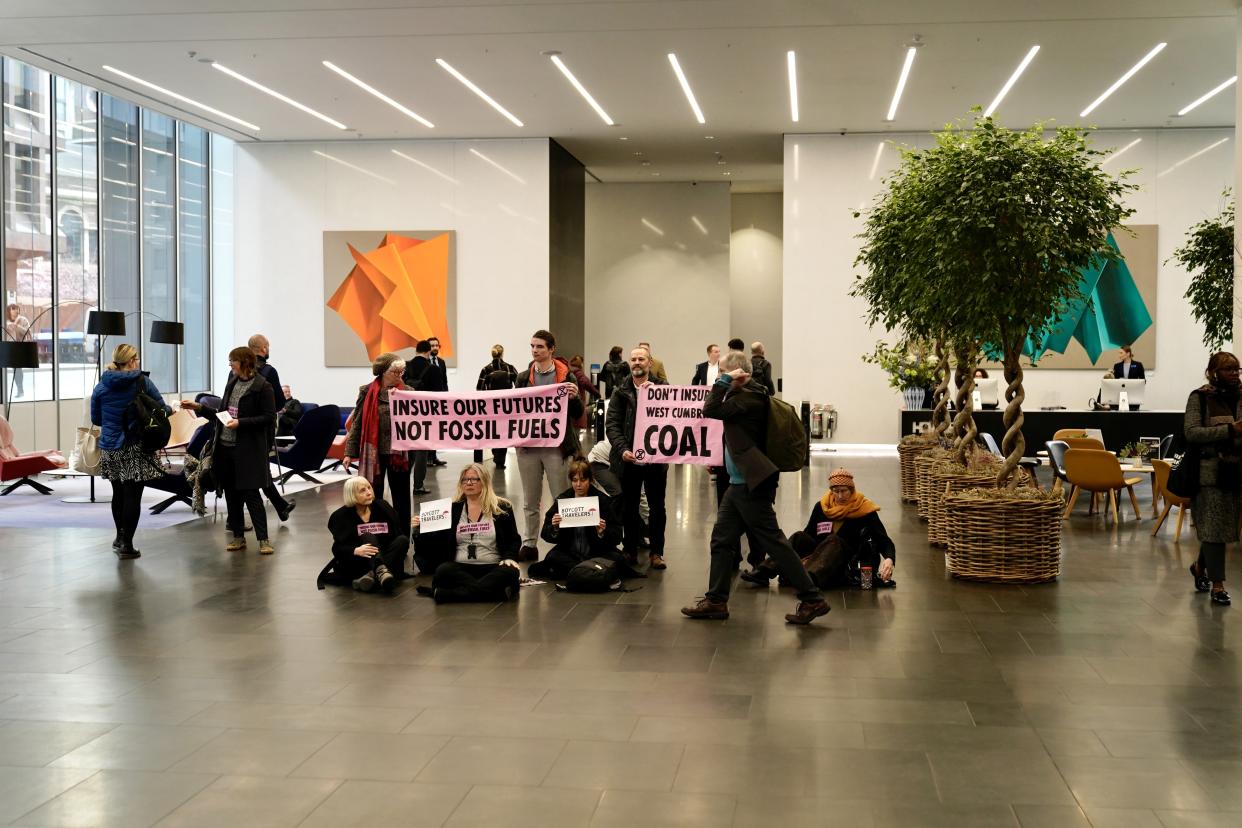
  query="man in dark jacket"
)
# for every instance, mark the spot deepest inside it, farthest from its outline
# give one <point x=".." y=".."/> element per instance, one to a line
<point x="761" y="369"/>
<point x="613" y="372"/>
<point x="636" y="476"/>
<point x="742" y="405"/>
<point x="705" y="373"/>
<point x="262" y="350"/>
<point x="417" y="373"/>
<point x="436" y="379"/>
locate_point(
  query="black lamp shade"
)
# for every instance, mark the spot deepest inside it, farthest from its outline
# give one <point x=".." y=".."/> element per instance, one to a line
<point x="168" y="333"/>
<point x="19" y="355"/>
<point x="105" y="323"/>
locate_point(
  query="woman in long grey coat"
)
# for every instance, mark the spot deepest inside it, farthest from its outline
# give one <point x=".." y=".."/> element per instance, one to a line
<point x="1213" y="427"/>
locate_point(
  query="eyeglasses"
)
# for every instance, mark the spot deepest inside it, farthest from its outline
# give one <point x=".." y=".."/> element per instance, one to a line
<point x="471" y="480"/>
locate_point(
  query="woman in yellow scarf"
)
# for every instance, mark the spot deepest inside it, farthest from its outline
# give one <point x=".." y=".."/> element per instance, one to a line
<point x="852" y="523"/>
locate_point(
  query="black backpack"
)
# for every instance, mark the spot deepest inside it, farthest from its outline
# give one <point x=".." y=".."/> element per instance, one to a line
<point x="593" y="575"/>
<point x="499" y="379"/>
<point x="146" y="421"/>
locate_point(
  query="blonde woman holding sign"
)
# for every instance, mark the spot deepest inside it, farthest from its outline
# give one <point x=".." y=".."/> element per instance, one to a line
<point x="474" y="559"/>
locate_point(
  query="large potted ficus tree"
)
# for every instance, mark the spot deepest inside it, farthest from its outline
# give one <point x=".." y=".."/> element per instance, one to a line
<point x="984" y="235"/>
<point x="1207" y="256"/>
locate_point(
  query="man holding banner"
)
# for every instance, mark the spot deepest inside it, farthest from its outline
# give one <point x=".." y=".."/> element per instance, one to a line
<point x="629" y="462"/>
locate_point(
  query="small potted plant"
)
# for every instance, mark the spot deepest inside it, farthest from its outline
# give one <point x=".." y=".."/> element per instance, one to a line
<point x="911" y="368"/>
<point x="1134" y="454"/>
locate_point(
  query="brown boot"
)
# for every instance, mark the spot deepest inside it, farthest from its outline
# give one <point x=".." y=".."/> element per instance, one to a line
<point x="808" y="611"/>
<point x="657" y="562"/>
<point x="707" y="608"/>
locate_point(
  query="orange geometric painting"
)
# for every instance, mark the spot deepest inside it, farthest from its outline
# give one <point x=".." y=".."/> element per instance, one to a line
<point x="397" y="294"/>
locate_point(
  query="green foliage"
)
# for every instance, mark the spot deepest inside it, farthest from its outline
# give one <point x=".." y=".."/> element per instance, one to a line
<point x="908" y="364"/>
<point x="1208" y="256"/>
<point x="1136" y="450"/>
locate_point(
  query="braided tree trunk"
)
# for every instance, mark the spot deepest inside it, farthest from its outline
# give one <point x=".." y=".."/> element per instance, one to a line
<point x="1014" y="444"/>
<point x="940" y="396"/>
<point x="964" y="422"/>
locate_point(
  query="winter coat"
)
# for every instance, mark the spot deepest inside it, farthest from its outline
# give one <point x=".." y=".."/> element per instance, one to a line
<point x="619" y="425"/>
<point x="745" y="415"/>
<point x="489" y="383"/>
<point x="436" y="548"/>
<point x="1216" y="509"/>
<point x="110" y="400"/>
<point x="611" y="374"/>
<point x="569" y="444"/>
<point x="761" y="372"/>
<point x="256" y="433"/>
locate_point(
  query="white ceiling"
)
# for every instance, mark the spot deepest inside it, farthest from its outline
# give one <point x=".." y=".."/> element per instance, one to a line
<point x="733" y="51"/>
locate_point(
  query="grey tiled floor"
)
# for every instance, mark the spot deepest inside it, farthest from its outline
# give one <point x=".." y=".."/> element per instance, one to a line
<point x="193" y="687"/>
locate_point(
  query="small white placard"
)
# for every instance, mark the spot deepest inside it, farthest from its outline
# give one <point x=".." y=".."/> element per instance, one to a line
<point x="435" y="515"/>
<point x="224" y="417"/>
<point x="977" y="399"/>
<point x="1123" y="401"/>
<point x="578" y="511"/>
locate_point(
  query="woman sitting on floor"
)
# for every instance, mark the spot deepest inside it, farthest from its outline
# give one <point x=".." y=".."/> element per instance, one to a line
<point x="475" y="559"/>
<point x="575" y="545"/>
<point x="843" y="535"/>
<point x="369" y="543"/>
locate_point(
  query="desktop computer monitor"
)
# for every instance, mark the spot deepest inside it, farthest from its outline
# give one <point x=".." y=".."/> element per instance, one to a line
<point x="988" y="391"/>
<point x="1110" y="391"/>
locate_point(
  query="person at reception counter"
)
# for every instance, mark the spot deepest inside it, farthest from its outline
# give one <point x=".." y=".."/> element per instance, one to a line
<point x="1128" y="367"/>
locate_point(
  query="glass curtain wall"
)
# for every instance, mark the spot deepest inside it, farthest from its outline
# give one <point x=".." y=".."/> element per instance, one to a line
<point x="76" y="207"/>
<point x="222" y="239"/>
<point x="195" y="298"/>
<point x="118" y="135"/>
<point x="159" y="247"/>
<point x="28" y="283"/>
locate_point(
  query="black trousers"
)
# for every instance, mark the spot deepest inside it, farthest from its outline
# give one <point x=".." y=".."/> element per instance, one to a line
<point x="274" y="495"/>
<point x="754" y="555"/>
<point x="742" y="511"/>
<point x="224" y="461"/>
<point x="634" y="478"/>
<point x="498" y="456"/>
<point x="458" y="583"/>
<point x="1212" y="560"/>
<point x="126" y="509"/>
<point x="399" y="483"/>
<point x="391" y="556"/>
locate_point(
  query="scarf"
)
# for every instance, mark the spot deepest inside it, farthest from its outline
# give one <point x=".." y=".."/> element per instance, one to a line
<point x="858" y="506"/>
<point x="368" y="438"/>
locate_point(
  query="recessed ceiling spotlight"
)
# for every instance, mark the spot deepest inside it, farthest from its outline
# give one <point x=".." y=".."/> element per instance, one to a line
<point x="582" y="90"/>
<point x="1017" y="73"/>
<point x="726" y="172"/>
<point x="685" y="87"/>
<point x="645" y="163"/>
<point x="180" y="97"/>
<point x="1159" y="47"/>
<point x="1209" y="95"/>
<point x="710" y="137"/>
<point x="372" y="90"/>
<point x="278" y="96"/>
<point x="465" y="81"/>
<point x="623" y="138"/>
<point x="792" y="63"/>
<point x="655" y="173"/>
<point x="901" y="82"/>
<point x="638" y="152"/>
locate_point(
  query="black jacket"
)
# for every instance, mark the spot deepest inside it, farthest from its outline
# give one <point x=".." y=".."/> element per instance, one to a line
<point x="256" y="432"/>
<point x="619" y="426"/>
<point x="415" y="374"/>
<point x="611" y="374"/>
<point x="744" y="413"/>
<point x="441" y="547"/>
<point x="436" y="378"/>
<point x="597" y="543"/>
<point x="1136" y="371"/>
<point x="496" y="366"/>
<point x="700" y="374"/>
<point x="569" y="444"/>
<point x="761" y="372"/>
<point x="865" y="538"/>
<point x="269" y="373"/>
<point x="344" y="523"/>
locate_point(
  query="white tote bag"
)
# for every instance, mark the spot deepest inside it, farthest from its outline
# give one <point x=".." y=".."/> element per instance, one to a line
<point x="87" y="456"/>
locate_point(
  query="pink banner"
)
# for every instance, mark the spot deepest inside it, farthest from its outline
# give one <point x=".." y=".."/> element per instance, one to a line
<point x="535" y="417"/>
<point x="670" y="426"/>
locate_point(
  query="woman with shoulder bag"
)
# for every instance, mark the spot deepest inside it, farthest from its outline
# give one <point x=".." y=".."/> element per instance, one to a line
<point x="123" y="462"/>
<point x="1213" y="428"/>
<point x="239" y="454"/>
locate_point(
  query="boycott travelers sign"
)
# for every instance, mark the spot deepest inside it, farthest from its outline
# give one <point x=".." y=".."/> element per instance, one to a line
<point x="670" y="426"/>
<point x="479" y="419"/>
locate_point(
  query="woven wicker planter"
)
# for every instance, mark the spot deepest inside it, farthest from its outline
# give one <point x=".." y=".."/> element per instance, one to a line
<point x="946" y="478"/>
<point x="906" y="452"/>
<point x="922" y="482"/>
<point x="1013" y="540"/>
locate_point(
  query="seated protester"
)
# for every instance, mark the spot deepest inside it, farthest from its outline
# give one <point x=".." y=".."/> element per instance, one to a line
<point x="476" y="559"/>
<point x="843" y="534"/>
<point x="368" y="542"/>
<point x="575" y="545"/>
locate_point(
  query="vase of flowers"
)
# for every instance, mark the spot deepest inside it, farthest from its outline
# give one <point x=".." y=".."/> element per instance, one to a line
<point x="911" y="368"/>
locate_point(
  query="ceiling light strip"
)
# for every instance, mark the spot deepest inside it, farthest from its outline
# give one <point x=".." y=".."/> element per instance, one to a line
<point x="364" y="86"/>
<point x="1192" y="157"/>
<point x="278" y="96"/>
<point x="507" y="172"/>
<point x="699" y="225"/>
<point x="1113" y="156"/>
<point x="447" y="67"/>
<point x="582" y="90"/>
<point x="1017" y="73"/>
<point x="1117" y="85"/>
<point x="652" y="227"/>
<point x="426" y="167"/>
<point x="791" y="61"/>
<point x="901" y="83"/>
<point x="685" y="88"/>
<point x="179" y="97"/>
<point x="352" y="167"/>
<point x="1208" y="96"/>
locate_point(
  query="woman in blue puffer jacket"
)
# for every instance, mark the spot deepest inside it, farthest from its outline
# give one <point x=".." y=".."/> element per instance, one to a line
<point x="125" y="465"/>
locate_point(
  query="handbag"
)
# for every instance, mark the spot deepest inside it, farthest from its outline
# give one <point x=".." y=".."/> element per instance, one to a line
<point x="87" y="456"/>
<point x="1184" y="477"/>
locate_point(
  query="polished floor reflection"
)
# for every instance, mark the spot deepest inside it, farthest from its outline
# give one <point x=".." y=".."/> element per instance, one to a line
<point x="194" y="687"/>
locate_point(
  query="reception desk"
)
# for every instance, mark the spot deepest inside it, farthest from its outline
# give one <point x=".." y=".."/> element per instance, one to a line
<point x="1118" y="427"/>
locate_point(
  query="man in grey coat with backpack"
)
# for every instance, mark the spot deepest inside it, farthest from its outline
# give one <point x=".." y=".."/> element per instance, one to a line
<point x="743" y="406"/>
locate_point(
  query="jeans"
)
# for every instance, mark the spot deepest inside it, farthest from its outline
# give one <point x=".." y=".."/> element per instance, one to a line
<point x="533" y="465"/>
<point x="742" y="511"/>
<point x="636" y="479"/>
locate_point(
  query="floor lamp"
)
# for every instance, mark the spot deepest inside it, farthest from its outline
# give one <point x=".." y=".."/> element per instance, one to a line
<point x="16" y="356"/>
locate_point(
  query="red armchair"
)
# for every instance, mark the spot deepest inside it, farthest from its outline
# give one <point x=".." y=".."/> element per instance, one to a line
<point x="19" y="467"/>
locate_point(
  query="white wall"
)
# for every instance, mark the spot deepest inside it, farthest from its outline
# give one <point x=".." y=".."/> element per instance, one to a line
<point x="826" y="176"/>
<point x="671" y="290"/>
<point x="755" y="266"/>
<point x="287" y="196"/>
